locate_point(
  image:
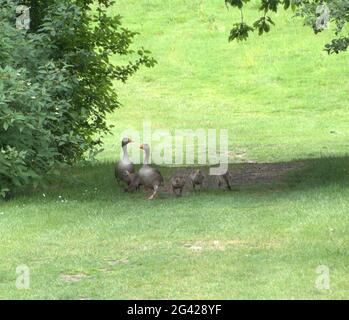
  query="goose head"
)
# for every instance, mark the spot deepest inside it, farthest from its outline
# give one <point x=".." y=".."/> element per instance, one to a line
<point x="125" y="141"/>
<point x="145" y="147"/>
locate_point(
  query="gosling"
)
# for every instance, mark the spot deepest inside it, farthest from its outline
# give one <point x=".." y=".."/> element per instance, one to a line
<point x="197" y="179"/>
<point x="177" y="185"/>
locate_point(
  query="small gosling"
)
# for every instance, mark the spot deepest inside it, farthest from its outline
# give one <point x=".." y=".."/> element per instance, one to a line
<point x="177" y="185"/>
<point x="197" y="179"/>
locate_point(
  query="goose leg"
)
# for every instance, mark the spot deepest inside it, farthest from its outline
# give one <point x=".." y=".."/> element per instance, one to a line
<point x="154" y="193"/>
<point x="147" y="190"/>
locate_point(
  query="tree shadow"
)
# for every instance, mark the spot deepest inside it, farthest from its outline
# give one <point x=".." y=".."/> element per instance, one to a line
<point x="97" y="180"/>
<point x="320" y="172"/>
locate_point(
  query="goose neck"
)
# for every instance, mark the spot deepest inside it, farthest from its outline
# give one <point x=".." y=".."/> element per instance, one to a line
<point x="146" y="158"/>
<point x="124" y="148"/>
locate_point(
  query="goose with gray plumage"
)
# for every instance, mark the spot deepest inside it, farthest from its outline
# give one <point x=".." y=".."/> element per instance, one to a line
<point x="124" y="167"/>
<point x="149" y="177"/>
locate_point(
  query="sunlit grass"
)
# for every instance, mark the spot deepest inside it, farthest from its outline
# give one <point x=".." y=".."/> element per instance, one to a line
<point x="280" y="96"/>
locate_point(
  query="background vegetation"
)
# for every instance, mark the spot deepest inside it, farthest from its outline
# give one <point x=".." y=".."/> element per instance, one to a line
<point x="316" y="14"/>
<point x="281" y="96"/>
<point x="57" y="84"/>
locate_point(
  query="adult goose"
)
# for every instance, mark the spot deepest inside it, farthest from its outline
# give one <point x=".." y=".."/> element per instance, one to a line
<point x="124" y="167"/>
<point x="148" y="176"/>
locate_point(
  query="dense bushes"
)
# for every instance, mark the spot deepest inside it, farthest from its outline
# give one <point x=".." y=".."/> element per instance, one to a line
<point x="28" y="106"/>
<point x="56" y="85"/>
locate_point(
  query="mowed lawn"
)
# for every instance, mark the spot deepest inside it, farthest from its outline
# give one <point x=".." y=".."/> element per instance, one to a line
<point x="281" y="98"/>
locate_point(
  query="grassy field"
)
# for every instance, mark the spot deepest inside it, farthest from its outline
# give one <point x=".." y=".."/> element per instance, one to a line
<point x="284" y="102"/>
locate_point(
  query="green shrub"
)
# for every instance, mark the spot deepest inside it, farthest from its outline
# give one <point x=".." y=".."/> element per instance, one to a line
<point x="33" y="134"/>
<point x="56" y="85"/>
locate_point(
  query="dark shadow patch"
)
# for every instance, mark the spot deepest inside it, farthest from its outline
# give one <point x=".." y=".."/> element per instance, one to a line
<point x="96" y="180"/>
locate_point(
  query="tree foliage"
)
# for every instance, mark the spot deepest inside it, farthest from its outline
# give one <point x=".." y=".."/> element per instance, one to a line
<point x="317" y="14"/>
<point x="56" y="84"/>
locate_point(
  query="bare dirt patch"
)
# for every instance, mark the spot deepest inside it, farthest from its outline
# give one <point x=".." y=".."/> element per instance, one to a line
<point x="242" y="174"/>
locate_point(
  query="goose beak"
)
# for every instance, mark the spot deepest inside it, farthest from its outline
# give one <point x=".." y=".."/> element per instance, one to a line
<point x="141" y="146"/>
<point x="130" y="140"/>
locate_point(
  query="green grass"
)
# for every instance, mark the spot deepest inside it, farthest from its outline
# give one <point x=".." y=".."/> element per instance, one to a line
<point x="281" y="98"/>
<point x="270" y="239"/>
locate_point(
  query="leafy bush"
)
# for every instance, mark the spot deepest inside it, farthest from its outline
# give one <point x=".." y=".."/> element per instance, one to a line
<point x="56" y="85"/>
<point x="33" y="133"/>
<point x="317" y="14"/>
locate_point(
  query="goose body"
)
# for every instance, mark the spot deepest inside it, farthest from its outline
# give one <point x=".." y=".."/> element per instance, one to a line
<point x="148" y="176"/>
<point x="124" y="165"/>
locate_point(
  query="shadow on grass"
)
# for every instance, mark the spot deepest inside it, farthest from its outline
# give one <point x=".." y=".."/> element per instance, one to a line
<point x="96" y="180"/>
<point x="319" y="173"/>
